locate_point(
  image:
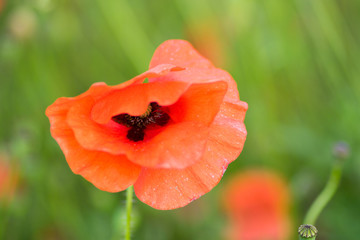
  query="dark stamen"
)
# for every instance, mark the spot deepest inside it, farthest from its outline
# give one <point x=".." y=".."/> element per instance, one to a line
<point x="135" y="134"/>
<point x="160" y="118"/>
<point x="137" y="124"/>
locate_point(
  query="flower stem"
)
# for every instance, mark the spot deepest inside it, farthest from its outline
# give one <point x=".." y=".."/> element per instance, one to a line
<point x="129" y="198"/>
<point x="326" y="195"/>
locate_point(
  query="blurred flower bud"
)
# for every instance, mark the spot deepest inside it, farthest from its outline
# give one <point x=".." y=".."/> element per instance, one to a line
<point x="341" y="150"/>
<point x="307" y="231"/>
<point x="22" y="23"/>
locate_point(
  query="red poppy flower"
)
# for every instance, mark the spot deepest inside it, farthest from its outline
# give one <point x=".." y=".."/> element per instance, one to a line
<point x="257" y="203"/>
<point x="172" y="138"/>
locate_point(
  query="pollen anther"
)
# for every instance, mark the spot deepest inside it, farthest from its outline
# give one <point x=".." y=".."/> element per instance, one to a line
<point x="154" y="115"/>
<point x="147" y="113"/>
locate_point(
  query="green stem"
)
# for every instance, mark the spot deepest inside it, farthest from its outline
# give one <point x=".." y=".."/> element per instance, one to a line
<point x="325" y="196"/>
<point x="303" y="238"/>
<point x="129" y="198"/>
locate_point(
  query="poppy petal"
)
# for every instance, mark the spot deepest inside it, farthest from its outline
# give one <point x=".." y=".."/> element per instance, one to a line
<point x="176" y="146"/>
<point x="101" y="112"/>
<point x="228" y="134"/>
<point x="112" y="173"/>
<point x="173" y="188"/>
<point x="108" y="172"/>
<point x="135" y="99"/>
<point x="109" y="138"/>
<point x="182" y="144"/>
<point x="166" y="189"/>
<point x="203" y="75"/>
<point x="200" y="103"/>
<point x="235" y="111"/>
<point x="198" y="69"/>
<point x="180" y="53"/>
<point x="156" y="71"/>
<point x="62" y="105"/>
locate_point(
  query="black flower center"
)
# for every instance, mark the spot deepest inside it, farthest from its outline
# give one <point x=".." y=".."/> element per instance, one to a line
<point x="154" y="115"/>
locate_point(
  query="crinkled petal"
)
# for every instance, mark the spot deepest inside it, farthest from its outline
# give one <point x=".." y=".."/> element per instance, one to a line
<point x="156" y="71"/>
<point x="172" y="188"/>
<point x="197" y="68"/>
<point x="110" y="138"/>
<point x="112" y="173"/>
<point x="62" y="105"/>
<point x="235" y="111"/>
<point x="135" y="99"/>
<point x="176" y="146"/>
<point x="180" y="53"/>
<point x="131" y="96"/>
<point x="203" y="75"/>
<point x="228" y="133"/>
<point x="167" y="189"/>
<point x="107" y="172"/>
<point x="229" y="128"/>
<point x="200" y="103"/>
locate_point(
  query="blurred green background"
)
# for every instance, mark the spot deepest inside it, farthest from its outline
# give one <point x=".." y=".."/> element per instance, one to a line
<point x="297" y="65"/>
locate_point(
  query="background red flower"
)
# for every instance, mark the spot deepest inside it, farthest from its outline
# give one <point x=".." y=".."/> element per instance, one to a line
<point x="8" y="179"/>
<point x="257" y="204"/>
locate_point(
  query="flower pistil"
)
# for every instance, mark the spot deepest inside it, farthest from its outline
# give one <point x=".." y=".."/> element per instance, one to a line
<point x="154" y="115"/>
